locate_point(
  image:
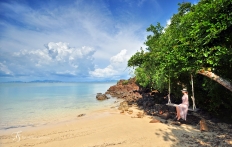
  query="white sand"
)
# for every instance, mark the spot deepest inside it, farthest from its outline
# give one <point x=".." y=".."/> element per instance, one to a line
<point x="103" y="128"/>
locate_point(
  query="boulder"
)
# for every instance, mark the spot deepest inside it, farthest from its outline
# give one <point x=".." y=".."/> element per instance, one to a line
<point x="101" y="96"/>
<point x="203" y="125"/>
<point x="165" y="115"/>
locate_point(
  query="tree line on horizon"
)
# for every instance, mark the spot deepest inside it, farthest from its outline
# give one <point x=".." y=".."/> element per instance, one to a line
<point x="197" y="43"/>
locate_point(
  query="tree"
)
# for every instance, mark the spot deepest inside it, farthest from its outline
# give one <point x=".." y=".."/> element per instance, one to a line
<point x="198" y="42"/>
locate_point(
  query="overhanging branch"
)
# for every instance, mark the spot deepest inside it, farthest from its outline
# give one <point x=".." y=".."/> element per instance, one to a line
<point x="227" y="84"/>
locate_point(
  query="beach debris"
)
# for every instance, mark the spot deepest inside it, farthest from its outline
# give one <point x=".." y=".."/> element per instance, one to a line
<point x="80" y="115"/>
<point x="154" y="121"/>
<point x="101" y="96"/>
<point x="203" y="125"/>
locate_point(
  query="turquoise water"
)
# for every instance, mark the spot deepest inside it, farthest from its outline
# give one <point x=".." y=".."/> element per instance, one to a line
<point x="33" y="104"/>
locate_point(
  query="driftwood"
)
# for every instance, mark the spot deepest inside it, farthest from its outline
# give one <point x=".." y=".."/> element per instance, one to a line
<point x="203" y="125"/>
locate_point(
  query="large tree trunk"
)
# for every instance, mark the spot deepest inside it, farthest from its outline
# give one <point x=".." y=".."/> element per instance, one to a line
<point x="227" y="84"/>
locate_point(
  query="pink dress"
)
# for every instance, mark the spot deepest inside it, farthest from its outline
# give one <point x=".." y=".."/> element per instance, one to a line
<point x="183" y="107"/>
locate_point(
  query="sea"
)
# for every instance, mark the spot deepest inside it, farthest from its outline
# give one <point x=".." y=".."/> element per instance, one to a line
<point x="36" y="104"/>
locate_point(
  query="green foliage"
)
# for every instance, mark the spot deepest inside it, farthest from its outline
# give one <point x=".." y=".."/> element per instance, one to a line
<point x="125" y="82"/>
<point x="199" y="36"/>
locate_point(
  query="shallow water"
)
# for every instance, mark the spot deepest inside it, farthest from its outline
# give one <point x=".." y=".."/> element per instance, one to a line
<point x="34" y="104"/>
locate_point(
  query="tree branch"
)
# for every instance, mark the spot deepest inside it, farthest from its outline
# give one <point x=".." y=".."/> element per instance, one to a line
<point x="227" y="84"/>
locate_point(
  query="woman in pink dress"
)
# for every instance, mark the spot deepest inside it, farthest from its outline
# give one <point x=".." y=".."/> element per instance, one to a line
<point x="182" y="109"/>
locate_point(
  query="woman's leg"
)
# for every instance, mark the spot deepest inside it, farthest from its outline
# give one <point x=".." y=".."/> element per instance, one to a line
<point x="177" y="112"/>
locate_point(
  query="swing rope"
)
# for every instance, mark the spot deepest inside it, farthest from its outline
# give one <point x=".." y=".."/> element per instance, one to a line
<point x="193" y="98"/>
<point x="169" y="91"/>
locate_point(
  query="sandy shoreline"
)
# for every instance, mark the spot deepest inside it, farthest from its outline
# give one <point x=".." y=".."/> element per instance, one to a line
<point x="105" y="127"/>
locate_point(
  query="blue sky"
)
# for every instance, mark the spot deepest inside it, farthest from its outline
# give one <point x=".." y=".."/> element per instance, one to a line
<point x="75" y="40"/>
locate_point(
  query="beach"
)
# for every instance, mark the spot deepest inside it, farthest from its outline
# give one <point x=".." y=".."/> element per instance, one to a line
<point x="69" y="115"/>
<point x="102" y="128"/>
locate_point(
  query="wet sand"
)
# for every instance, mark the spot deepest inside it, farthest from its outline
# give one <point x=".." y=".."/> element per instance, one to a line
<point x="103" y="128"/>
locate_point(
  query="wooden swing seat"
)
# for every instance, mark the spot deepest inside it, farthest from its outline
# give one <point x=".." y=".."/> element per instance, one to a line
<point x="189" y="109"/>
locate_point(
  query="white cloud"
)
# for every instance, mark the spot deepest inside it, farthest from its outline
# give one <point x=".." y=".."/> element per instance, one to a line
<point x="168" y="22"/>
<point x="119" y="59"/>
<point x="58" y="59"/>
<point x="109" y="71"/>
<point x="83" y="24"/>
<point x="116" y="69"/>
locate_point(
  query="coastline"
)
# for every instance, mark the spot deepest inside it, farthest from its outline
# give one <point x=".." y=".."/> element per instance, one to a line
<point x="101" y="128"/>
<point x="110" y="124"/>
<point x="36" y="104"/>
<point x="60" y="119"/>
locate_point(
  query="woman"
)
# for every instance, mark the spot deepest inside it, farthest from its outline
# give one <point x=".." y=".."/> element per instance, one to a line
<point x="182" y="109"/>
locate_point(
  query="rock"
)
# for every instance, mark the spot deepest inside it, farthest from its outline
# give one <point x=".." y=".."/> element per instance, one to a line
<point x="124" y="89"/>
<point x="165" y="115"/>
<point x="80" y="115"/>
<point x="229" y="142"/>
<point x="140" y="115"/>
<point x="176" y="123"/>
<point x="203" y="125"/>
<point x="123" y="106"/>
<point x="130" y="111"/>
<point x="154" y="121"/>
<point x="101" y="96"/>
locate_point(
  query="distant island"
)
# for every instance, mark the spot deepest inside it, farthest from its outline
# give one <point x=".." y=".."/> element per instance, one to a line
<point x="56" y="81"/>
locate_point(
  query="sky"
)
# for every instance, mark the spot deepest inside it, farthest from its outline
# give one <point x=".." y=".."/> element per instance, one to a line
<point x="75" y="40"/>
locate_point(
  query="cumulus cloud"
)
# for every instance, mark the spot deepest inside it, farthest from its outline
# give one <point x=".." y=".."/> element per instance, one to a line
<point x="116" y="69"/>
<point x="57" y="58"/>
<point x="99" y="31"/>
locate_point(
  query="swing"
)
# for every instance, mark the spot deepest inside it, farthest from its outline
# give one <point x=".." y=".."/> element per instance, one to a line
<point x="193" y="108"/>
